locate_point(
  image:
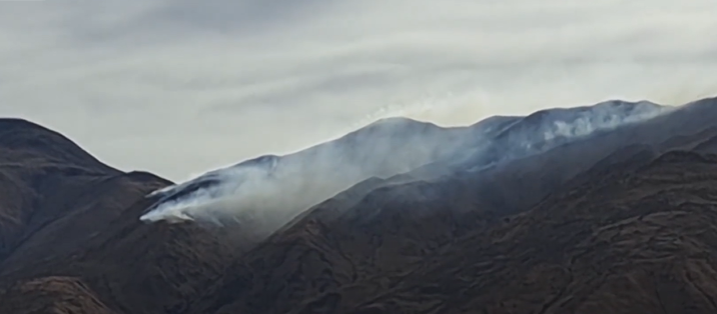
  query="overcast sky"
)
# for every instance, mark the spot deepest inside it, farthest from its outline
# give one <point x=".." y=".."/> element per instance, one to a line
<point x="177" y="87"/>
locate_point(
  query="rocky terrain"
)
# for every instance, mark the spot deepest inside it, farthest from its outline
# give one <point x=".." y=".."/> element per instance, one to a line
<point x="620" y="221"/>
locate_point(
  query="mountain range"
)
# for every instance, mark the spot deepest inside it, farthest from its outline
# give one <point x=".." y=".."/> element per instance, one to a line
<point x="599" y="209"/>
<point x="398" y="148"/>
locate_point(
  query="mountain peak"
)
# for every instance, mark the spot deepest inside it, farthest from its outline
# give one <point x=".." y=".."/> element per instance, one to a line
<point x="28" y="140"/>
<point x="391" y="123"/>
<point x="20" y="124"/>
<point x="394" y="120"/>
<point x="394" y="125"/>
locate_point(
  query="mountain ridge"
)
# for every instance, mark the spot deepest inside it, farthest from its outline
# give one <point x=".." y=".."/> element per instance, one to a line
<point x="27" y="139"/>
<point x="363" y="154"/>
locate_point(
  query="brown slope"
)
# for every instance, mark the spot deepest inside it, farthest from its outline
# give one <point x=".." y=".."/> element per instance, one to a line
<point x="640" y="243"/>
<point x="31" y="157"/>
<point x="71" y="241"/>
<point x="24" y="142"/>
<point x="58" y="295"/>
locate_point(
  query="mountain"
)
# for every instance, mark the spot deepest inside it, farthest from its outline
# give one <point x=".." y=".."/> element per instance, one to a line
<point x="314" y="174"/>
<point x="383" y="149"/>
<point x="69" y="237"/>
<point x="535" y="214"/>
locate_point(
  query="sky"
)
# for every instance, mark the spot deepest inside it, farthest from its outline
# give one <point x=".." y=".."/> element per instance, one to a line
<point x="177" y="87"/>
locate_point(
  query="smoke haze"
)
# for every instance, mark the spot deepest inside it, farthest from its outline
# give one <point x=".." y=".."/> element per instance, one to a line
<point x="269" y="191"/>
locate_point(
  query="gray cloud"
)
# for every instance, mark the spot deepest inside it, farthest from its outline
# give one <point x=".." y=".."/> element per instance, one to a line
<point x="176" y="87"/>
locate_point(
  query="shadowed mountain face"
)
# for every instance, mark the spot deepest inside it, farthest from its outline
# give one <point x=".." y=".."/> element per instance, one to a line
<point x="547" y="215"/>
<point x="69" y="238"/>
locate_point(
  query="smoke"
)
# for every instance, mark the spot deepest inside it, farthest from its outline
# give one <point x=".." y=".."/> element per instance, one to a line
<point x="604" y="116"/>
<point x="447" y="109"/>
<point x="268" y="191"/>
<point x="544" y="130"/>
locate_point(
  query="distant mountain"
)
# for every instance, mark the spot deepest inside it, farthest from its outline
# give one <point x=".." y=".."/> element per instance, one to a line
<point x="382" y="149"/>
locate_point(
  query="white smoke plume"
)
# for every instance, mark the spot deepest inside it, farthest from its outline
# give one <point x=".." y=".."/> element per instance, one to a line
<point x="269" y="191"/>
<point x="601" y="118"/>
<point x="280" y="187"/>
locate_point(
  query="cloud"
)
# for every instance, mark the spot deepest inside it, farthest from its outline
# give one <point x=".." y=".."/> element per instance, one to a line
<point x="177" y="87"/>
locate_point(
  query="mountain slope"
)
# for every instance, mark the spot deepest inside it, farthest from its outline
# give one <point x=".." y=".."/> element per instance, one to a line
<point x="639" y="242"/>
<point x="70" y="238"/>
<point x="271" y="190"/>
<point x="384" y="148"/>
<point x="370" y="245"/>
<point x="52" y="295"/>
